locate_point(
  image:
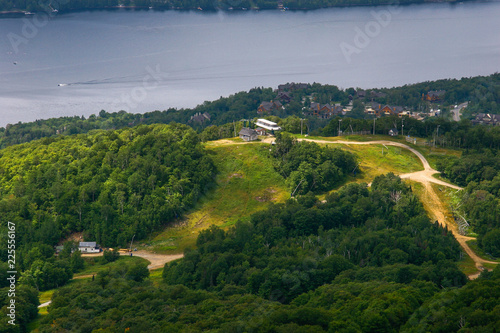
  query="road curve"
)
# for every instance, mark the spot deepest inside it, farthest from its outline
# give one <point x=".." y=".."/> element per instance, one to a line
<point x="156" y="261"/>
<point x="437" y="208"/>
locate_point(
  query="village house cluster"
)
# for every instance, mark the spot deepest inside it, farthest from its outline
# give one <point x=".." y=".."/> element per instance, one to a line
<point x="487" y="119"/>
<point x="328" y="111"/>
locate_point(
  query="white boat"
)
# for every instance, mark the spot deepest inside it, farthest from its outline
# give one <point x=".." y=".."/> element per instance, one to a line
<point x="62" y="84"/>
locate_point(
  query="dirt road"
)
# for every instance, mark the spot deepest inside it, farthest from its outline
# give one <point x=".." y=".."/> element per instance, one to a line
<point x="156" y="260"/>
<point x="436" y="211"/>
<point x="437" y="208"/>
<point x="419" y="176"/>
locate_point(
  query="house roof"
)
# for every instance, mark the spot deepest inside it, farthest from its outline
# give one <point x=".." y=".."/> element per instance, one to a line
<point x="378" y="94"/>
<point x="292" y="85"/>
<point x="245" y="131"/>
<point x="87" y="244"/>
<point x="436" y="93"/>
<point x="395" y="109"/>
<point x="487" y="118"/>
<point x="266" y="105"/>
<point x="284" y="95"/>
<point x="200" y="117"/>
<point x="394" y="130"/>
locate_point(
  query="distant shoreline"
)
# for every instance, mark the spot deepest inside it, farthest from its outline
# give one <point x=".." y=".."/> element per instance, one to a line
<point x="22" y="13"/>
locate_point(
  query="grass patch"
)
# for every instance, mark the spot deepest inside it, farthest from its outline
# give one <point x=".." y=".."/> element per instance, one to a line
<point x="45" y="296"/>
<point x="467" y="265"/>
<point x="94" y="266"/>
<point x="489" y="266"/>
<point x="246" y="183"/>
<point x="480" y="252"/>
<point x="33" y="326"/>
<point x="416" y="187"/>
<point x="439" y="177"/>
<point x="155" y="276"/>
<point x="374" y="162"/>
<point x="435" y="154"/>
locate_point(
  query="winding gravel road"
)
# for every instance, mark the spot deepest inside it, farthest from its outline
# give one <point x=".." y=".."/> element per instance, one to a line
<point x="438" y="207"/>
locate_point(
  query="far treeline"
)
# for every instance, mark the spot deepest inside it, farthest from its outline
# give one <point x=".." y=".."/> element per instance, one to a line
<point x="482" y="93"/>
<point x="210" y="5"/>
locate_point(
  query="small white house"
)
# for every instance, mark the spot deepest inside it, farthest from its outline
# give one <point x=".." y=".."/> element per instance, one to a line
<point x="248" y="134"/>
<point x="88" y="247"/>
<point x="267" y="124"/>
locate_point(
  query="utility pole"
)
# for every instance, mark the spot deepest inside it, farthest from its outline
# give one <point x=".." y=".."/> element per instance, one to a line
<point x="339" y="126"/>
<point x="437" y="135"/>
<point x="291" y="195"/>
<point x="131" y="243"/>
<point x="234" y="125"/>
<point x="402" y="126"/>
<point x="374" y="125"/>
<point x="301" y="125"/>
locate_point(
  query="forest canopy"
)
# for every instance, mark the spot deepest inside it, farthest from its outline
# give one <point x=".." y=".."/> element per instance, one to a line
<point x="110" y="185"/>
<point x="361" y="261"/>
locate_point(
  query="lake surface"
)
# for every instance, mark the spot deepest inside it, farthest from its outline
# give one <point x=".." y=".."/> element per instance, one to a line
<point x="142" y="61"/>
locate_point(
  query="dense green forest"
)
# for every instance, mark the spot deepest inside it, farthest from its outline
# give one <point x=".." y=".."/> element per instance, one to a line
<point x="358" y="304"/>
<point x="479" y="204"/>
<point x="365" y="260"/>
<point x="25" y="309"/>
<point x="210" y="5"/>
<point x="109" y="184"/>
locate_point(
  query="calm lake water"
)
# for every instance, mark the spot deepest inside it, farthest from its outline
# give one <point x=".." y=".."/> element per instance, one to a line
<point x="141" y="61"/>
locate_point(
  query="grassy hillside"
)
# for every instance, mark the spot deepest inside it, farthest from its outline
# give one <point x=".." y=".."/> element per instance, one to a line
<point x="246" y="183"/>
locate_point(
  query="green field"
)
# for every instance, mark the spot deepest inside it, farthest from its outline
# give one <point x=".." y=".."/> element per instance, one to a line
<point x="247" y="182"/>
